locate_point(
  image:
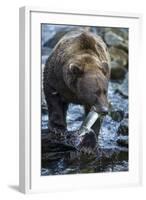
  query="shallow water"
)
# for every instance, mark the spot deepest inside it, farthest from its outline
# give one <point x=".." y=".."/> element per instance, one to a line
<point x="71" y="162"/>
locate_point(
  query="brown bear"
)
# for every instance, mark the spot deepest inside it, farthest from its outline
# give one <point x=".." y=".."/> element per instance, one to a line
<point x="77" y="71"/>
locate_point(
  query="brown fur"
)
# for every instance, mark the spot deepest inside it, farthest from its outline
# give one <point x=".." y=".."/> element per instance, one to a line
<point x="77" y="71"/>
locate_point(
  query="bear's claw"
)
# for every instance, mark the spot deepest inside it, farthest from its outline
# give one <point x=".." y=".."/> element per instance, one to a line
<point x="88" y="143"/>
<point x="85" y="143"/>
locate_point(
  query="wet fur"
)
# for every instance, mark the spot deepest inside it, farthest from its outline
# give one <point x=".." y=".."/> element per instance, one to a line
<point x="62" y="87"/>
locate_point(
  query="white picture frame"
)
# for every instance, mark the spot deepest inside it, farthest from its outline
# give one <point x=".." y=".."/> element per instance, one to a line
<point x="29" y="160"/>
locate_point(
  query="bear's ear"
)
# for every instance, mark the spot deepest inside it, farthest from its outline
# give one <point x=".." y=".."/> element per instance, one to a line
<point x="105" y="69"/>
<point x="75" y="69"/>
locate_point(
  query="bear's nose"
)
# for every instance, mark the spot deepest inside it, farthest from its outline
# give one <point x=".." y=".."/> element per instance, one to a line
<point x="100" y="109"/>
<point x="104" y="110"/>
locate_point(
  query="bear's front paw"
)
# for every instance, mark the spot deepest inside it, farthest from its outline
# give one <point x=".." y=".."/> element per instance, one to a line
<point x="87" y="142"/>
<point x="84" y="141"/>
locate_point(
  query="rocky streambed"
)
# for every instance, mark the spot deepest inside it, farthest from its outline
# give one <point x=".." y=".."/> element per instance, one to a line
<point x="112" y="155"/>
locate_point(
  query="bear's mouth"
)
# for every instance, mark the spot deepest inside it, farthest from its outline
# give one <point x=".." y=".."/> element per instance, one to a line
<point x="103" y="110"/>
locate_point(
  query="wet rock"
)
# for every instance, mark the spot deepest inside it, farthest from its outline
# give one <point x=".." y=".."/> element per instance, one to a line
<point x="123" y="128"/>
<point x="112" y="39"/>
<point x="123" y="94"/>
<point x="100" y="31"/>
<point x="124" y="46"/>
<point x="119" y="56"/>
<point x="117" y="115"/>
<point x="117" y="72"/>
<point x="49" y="148"/>
<point x="119" y="62"/>
<point x="123" y="88"/>
<point x="122" y="141"/>
<point x="123" y="32"/>
<point x="53" y="41"/>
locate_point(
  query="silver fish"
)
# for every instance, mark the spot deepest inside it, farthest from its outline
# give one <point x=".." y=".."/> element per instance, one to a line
<point x="88" y="122"/>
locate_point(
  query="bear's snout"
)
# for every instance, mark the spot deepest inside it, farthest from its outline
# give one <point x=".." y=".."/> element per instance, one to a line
<point x="101" y="109"/>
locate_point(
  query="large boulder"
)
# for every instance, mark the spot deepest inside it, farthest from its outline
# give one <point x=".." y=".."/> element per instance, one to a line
<point x="123" y="141"/>
<point x="119" y="56"/>
<point x="122" y="32"/>
<point x="50" y="43"/>
<point x="117" y="71"/>
<point x="117" y="115"/>
<point x="112" y="39"/>
<point x="119" y="63"/>
<point x="123" y="128"/>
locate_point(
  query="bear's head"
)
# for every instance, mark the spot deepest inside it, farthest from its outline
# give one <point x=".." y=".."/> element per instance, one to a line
<point x="88" y="78"/>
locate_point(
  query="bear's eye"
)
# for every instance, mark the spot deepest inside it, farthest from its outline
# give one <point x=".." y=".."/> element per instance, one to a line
<point x="75" y="69"/>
